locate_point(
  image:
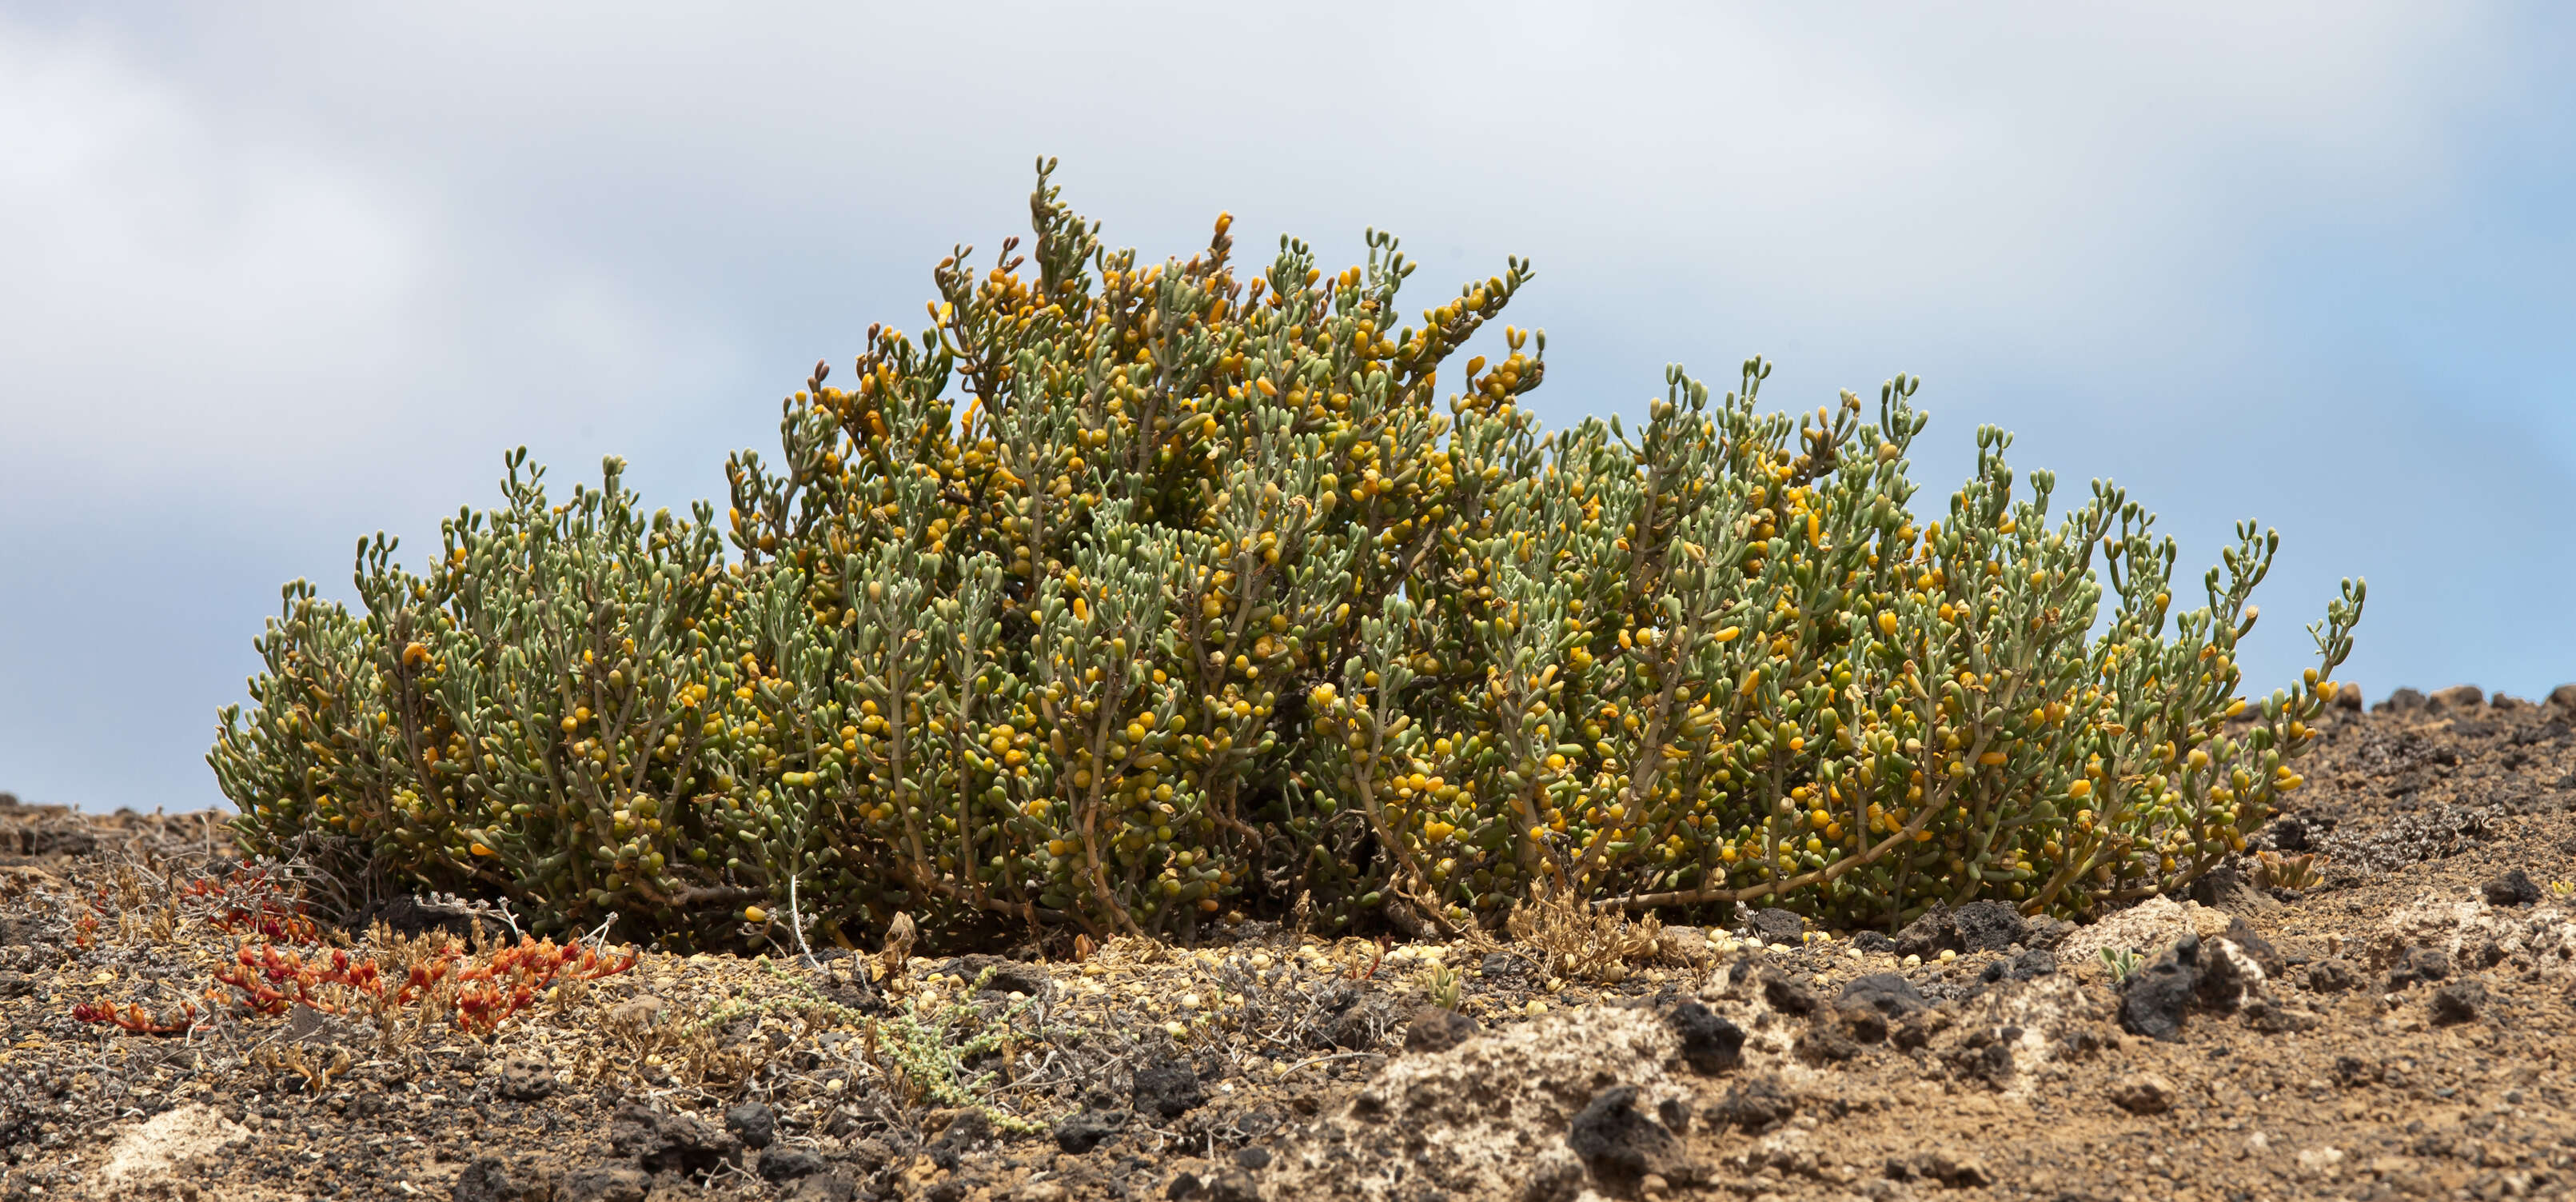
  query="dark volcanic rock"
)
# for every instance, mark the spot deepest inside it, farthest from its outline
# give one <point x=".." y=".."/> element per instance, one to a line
<point x="606" y="1183"/>
<point x="1987" y="926"/>
<point x="1871" y="1005"/>
<point x="2459" y="1002"/>
<point x="788" y="1164"/>
<point x="2418" y="964"/>
<point x="671" y="1142"/>
<point x="1437" y="1030"/>
<point x="2223" y="980"/>
<point x="754" y="1123"/>
<point x="2288" y="833"/>
<point x="2334" y="976"/>
<point x="491" y="1179"/>
<point x="1166" y="1086"/>
<point x="1009" y="976"/>
<point x="832" y="1187"/>
<point x="1755" y="1105"/>
<point x="526" y="1078"/>
<point x="1930" y="935"/>
<point x="1775" y="925"/>
<point x="2256" y="947"/>
<point x="2514" y="888"/>
<point x="2046" y="932"/>
<point x="1787" y="996"/>
<point x="1621" y="1144"/>
<point x="1711" y="1043"/>
<point x="1083" y="1132"/>
<point x="2153" y="1000"/>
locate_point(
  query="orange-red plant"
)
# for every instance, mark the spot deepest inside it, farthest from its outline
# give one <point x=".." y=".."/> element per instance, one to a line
<point x="486" y="988"/>
<point x="137" y="1019"/>
<point x="268" y="980"/>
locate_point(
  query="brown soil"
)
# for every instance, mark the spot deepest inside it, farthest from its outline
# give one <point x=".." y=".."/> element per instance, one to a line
<point x="2405" y="1027"/>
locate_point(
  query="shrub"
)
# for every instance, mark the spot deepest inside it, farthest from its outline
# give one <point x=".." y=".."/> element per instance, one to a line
<point x="1128" y="593"/>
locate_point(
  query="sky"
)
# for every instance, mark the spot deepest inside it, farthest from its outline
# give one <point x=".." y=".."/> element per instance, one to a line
<point x="273" y="278"/>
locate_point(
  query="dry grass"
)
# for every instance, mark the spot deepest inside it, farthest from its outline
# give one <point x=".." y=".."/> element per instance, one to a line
<point x="1578" y="941"/>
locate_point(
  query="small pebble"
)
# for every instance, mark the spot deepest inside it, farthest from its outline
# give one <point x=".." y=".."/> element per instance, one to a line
<point x="1914" y="961"/>
<point x="1537" y="1007"/>
<point x="1946" y="955"/>
<point x="1175" y="1030"/>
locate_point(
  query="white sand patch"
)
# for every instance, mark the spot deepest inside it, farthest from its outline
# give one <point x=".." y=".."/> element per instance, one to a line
<point x="151" y="1159"/>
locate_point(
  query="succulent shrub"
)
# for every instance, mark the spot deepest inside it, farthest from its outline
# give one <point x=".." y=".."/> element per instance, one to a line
<point x="1129" y="593"/>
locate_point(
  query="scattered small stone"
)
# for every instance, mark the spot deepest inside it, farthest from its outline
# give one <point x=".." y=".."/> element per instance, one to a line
<point x="2143" y="1093"/>
<point x="1254" y="1159"/>
<point x="2515" y="888"/>
<point x="1876" y="943"/>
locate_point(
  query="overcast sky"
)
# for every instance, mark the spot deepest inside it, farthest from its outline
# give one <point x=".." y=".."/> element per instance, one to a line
<point x="273" y="278"/>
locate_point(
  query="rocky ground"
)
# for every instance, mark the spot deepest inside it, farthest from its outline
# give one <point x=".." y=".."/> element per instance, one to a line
<point x="2401" y="1024"/>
